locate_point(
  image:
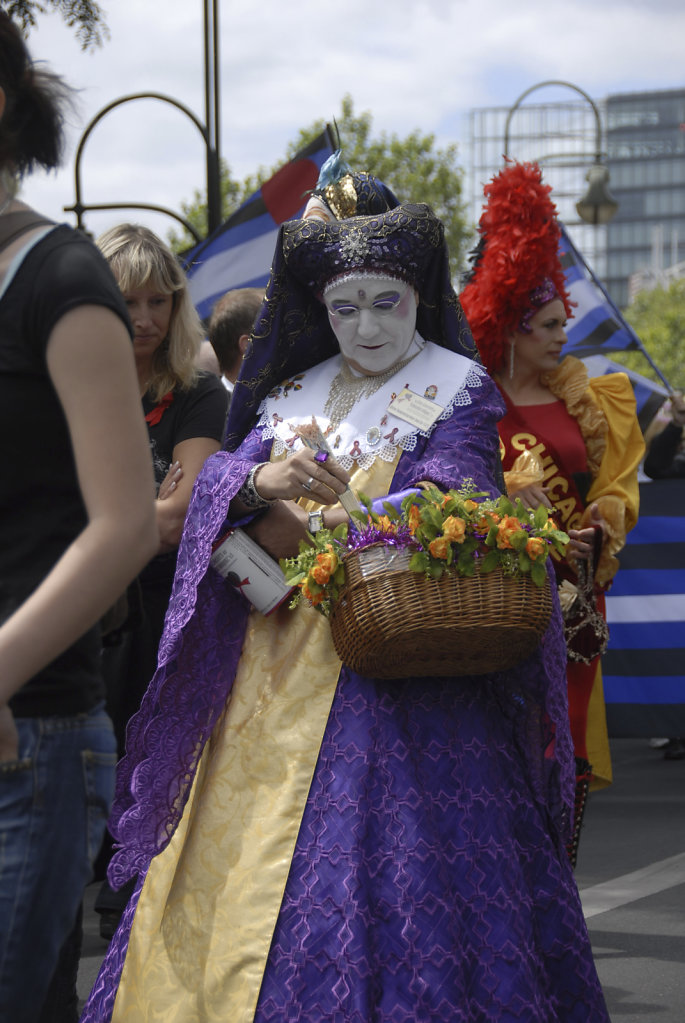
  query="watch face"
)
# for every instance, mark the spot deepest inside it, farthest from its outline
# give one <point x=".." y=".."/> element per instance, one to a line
<point x="315" y="521"/>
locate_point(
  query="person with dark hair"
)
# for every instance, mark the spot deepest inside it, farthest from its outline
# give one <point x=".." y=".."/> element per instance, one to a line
<point x="570" y="443"/>
<point x="230" y="326"/>
<point x="312" y="843"/>
<point x="77" y="523"/>
<point x="665" y="457"/>
<point x="185" y="412"/>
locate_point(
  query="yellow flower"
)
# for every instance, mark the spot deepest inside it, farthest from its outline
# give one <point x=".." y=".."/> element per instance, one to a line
<point x="535" y="548"/>
<point x="439" y="547"/>
<point x="505" y="530"/>
<point x="386" y="524"/>
<point x="454" y="529"/>
<point x="470" y="505"/>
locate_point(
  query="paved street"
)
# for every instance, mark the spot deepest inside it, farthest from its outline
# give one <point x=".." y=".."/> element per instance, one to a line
<point x="631" y="875"/>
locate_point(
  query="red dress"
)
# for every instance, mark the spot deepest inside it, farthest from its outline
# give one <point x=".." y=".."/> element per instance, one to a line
<point x="553" y="434"/>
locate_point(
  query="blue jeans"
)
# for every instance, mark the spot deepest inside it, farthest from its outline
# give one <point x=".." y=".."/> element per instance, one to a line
<point x="54" y="802"/>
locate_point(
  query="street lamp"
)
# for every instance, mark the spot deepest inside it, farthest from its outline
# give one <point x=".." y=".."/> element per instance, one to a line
<point x="598" y="205"/>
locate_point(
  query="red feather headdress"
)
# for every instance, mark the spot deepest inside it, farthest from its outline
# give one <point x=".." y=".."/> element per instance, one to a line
<point x="518" y="253"/>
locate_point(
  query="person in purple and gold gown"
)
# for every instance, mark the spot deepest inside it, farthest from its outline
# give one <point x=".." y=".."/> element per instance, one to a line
<point x="312" y="844"/>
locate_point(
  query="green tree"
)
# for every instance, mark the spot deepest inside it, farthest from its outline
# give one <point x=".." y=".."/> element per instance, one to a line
<point x="86" y="16"/>
<point x="658" y="317"/>
<point x="413" y="167"/>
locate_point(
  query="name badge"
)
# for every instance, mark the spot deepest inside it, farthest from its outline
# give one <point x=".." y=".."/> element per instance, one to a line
<point x="415" y="410"/>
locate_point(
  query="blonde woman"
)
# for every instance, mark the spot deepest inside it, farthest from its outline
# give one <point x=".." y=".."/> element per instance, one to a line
<point x="185" y="411"/>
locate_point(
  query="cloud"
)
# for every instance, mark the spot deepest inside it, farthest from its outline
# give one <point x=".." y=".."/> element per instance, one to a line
<point x="412" y="65"/>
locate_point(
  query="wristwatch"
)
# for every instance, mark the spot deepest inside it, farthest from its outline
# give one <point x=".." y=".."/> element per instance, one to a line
<point x="315" y="522"/>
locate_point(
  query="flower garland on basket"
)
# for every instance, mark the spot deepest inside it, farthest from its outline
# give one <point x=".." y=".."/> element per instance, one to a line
<point x="451" y="584"/>
<point x="462" y="530"/>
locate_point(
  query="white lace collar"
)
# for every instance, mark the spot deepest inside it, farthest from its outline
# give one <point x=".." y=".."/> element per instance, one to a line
<point x="370" y="430"/>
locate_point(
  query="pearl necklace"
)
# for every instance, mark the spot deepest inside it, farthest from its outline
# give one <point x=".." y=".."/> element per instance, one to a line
<point x="347" y="389"/>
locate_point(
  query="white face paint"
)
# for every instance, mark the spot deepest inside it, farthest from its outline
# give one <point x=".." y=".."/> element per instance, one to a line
<point x="374" y="320"/>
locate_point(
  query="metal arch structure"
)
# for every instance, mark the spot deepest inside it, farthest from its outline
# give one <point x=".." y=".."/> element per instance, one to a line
<point x="209" y="132"/>
<point x="79" y="207"/>
<point x="569" y="85"/>
<point x="598" y="205"/>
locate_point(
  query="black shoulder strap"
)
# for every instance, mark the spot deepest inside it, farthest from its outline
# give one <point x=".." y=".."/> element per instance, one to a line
<point x="13" y="225"/>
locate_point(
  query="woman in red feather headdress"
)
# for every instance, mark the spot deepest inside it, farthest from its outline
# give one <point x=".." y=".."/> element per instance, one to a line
<point x="568" y="442"/>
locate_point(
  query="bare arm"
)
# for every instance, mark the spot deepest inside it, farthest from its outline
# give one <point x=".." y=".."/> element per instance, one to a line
<point x="97" y="386"/>
<point x="171" y="508"/>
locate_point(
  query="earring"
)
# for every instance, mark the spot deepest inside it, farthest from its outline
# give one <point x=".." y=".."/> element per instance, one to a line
<point x="511" y="360"/>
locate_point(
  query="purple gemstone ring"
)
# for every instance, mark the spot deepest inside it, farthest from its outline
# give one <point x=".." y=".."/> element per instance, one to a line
<point x="321" y="457"/>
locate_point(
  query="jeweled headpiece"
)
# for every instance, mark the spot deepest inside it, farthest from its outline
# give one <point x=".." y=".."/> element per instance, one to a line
<point x="516" y="265"/>
<point x="400" y="243"/>
<point x="292" y="332"/>
<point x="341" y="192"/>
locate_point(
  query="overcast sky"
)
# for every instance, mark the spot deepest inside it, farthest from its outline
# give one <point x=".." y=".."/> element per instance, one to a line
<point x="412" y="63"/>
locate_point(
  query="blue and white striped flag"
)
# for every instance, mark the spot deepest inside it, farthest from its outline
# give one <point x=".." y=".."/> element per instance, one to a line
<point x="644" y="666"/>
<point x="597" y="326"/>
<point x="239" y="253"/>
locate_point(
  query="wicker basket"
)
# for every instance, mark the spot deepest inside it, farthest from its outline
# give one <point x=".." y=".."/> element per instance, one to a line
<point x="390" y="622"/>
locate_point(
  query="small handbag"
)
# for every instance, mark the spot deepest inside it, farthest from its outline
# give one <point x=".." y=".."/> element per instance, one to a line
<point x="585" y="628"/>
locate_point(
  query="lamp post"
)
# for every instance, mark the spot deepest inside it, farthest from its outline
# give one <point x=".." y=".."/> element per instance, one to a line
<point x="598" y="205"/>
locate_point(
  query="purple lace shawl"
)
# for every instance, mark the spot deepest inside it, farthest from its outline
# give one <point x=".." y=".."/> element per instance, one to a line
<point x="201" y="647"/>
<point x="204" y="630"/>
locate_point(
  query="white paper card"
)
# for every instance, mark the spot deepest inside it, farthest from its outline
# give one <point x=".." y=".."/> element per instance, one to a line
<point x="244" y="564"/>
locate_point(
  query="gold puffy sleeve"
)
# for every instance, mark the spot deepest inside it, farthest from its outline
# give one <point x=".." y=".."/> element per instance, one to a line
<point x="615" y="487"/>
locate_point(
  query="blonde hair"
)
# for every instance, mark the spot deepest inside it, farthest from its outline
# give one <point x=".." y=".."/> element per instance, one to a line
<point x="137" y="258"/>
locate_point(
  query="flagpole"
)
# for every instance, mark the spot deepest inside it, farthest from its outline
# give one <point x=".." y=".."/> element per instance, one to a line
<point x="212" y="116"/>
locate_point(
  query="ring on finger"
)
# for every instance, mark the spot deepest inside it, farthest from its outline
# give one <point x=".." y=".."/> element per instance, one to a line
<point x="307" y="485"/>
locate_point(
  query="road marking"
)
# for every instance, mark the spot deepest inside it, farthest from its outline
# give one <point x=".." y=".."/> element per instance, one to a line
<point x="658" y="877"/>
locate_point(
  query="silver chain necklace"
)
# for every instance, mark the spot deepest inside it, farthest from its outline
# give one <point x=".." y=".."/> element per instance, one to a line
<point x="347" y="389"/>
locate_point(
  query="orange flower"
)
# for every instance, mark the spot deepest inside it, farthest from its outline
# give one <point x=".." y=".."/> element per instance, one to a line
<point x="535" y="548"/>
<point x="454" y="529"/>
<point x="313" y="598"/>
<point x="439" y="547"/>
<point x="414" y="519"/>
<point x="328" y="560"/>
<point x="470" y="506"/>
<point x="386" y="524"/>
<point x="482" y="525"/>
<point x="505" y="530"/>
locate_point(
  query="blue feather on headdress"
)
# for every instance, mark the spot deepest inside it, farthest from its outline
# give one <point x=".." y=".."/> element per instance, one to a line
<point x="333" y="170"/>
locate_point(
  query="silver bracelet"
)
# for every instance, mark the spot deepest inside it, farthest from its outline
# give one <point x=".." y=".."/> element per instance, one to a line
<point x="249" y="494"/>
